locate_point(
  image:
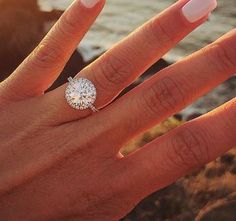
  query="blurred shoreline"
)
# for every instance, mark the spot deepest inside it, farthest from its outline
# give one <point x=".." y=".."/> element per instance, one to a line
<point x="120" y="17"/>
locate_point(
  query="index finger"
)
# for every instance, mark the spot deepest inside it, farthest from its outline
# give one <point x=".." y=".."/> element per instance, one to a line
<point x="42" y="67"/>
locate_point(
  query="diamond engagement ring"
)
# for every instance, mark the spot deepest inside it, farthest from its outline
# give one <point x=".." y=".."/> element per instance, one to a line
<point x="81" y="94"/>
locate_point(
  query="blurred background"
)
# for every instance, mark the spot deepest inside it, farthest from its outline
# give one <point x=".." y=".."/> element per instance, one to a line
<point x="209" y="194"/>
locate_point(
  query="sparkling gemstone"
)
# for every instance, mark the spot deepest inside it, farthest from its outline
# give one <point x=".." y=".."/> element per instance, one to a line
<point x="80" y="93"/>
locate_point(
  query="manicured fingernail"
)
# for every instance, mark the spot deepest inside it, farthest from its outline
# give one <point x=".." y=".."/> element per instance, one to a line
<point x="194" y="10"/>
<point x="89" y="3"/>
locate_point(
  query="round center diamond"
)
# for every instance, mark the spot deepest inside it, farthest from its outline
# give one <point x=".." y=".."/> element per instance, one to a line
<point x="81" y="93"/>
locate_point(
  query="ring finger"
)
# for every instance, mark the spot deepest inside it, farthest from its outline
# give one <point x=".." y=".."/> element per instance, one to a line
<point x="120" y="66"/>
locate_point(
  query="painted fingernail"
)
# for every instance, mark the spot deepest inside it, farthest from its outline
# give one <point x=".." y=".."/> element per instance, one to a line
<point x="194" y="10"/>
<point x="89" y="3"/>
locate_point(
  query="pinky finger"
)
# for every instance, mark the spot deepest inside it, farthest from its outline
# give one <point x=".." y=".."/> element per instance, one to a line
<point x="175" y="154"/>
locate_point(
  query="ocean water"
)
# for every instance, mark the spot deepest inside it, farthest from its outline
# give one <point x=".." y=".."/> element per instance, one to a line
<point x="120" y="17"/>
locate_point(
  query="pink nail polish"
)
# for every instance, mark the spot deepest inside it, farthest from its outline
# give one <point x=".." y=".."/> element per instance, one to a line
<point x="194" y="10"/>
<point x="89" y="3"/>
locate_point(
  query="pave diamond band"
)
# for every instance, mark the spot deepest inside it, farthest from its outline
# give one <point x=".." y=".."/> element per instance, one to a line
<point x="81" y="94"/>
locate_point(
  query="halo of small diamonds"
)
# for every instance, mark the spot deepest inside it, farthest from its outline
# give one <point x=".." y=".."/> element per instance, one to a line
<point x="81" y="93"/>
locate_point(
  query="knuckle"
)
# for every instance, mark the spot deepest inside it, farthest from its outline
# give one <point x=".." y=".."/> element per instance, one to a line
<point x="189" y="148"/>
<point x="160" y="32"/>
<point x="114" y="72"/>
<point x="68" y="26"/>
<point x="46" y="54"/>
<point x="165" y="95"/>
<point x="219" y="56"/>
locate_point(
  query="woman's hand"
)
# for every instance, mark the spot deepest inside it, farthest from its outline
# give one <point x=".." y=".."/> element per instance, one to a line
<point x="57" y="163"/>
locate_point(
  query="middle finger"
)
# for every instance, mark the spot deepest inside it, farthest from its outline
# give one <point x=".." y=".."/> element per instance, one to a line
<point x="171" y="90"/>
<point x="120" y="66"/>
